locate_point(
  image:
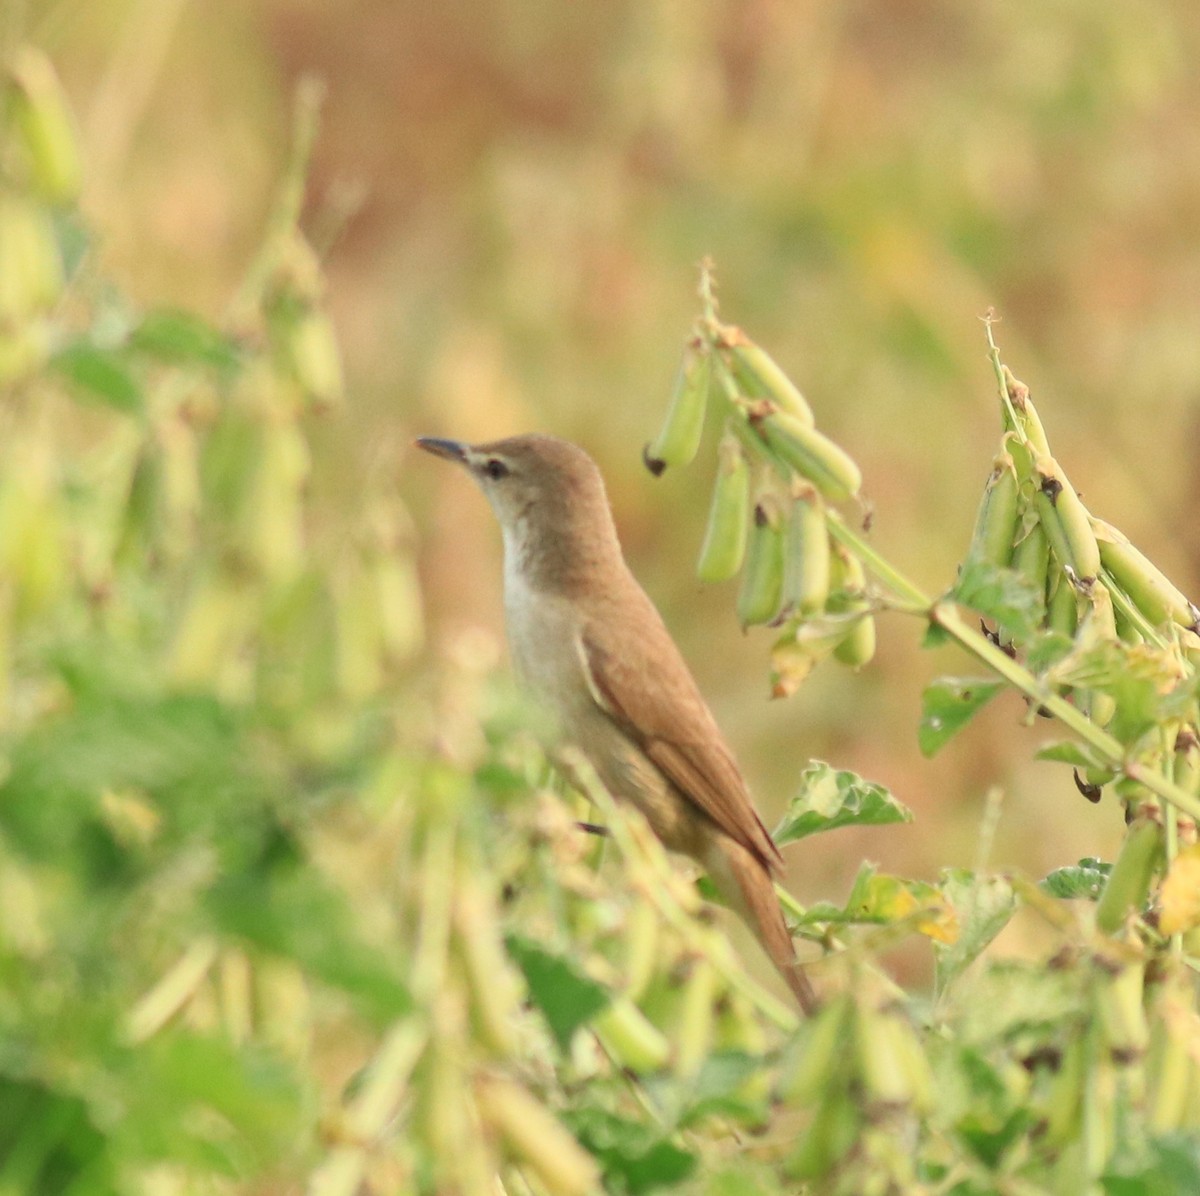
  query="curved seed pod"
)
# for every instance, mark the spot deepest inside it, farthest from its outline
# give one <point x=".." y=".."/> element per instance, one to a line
<point x="814" y="456"/>
<point x="1029" y="423"/>
<point x="535" y="1137"/>
<point x="835" y="1127"/>
<point x="679" y="438"/>
<point x="762" y="581"/>
<point x="858" y="648"/>
<point x="491" y="982"/>
<point x="1129" y="881"/>
<point x="1169" y="1065"/>
<point x="694" y="1038"/>
<point x="1186" y="770"/>
<point x="1119" y="1000"/>
<point x="1062" y="604"/>
<point x="630" y="1037"/>
<point x="881" y="1067"/>
<point x="815" y="1055"/>
<point x="724" y="545"/>
<point x="1064" y="1104"/>
<point x="39" y="108"/>
<point x="643" y="950"/>
<point x="996" y="522"/>
<point x="1065" y="518"/>
<point x="1147" y="586"/>
<point x="31" y="268"/>
<point x="758" y="375"/>
<point x="1031" y="557"/>
<point x="807" y="556"/>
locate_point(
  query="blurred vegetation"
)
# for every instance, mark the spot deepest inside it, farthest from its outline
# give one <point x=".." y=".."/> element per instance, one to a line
<point x="229" y="769"/>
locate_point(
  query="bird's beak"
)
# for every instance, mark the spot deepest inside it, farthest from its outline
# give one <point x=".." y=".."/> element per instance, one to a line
<point x="452" y="450"/>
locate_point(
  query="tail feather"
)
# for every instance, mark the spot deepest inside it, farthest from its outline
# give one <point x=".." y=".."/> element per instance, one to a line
<point x="745" y="882"/>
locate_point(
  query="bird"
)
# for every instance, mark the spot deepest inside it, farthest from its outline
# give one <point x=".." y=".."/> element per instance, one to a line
<point x="590" y="646"/>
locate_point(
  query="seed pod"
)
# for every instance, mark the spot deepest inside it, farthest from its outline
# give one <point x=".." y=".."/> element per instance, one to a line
<point x="762" y="582"/>
<point x="1064" y="1102"/>
<point x="1169" y="1065"/>
<point x="31" y="269"/>
<point x="835" y="1127"/>
<point x="534" y="1137"/>
<point x="491" y="983"/>
<point x="1147" y="586"/>
<point x="1029" y="423"/>
<point x="1119" y="1001"/>
<point x="858" y="648"/>
<point x="725" y="537"/>
<point x="1062" y="604"/>
<point x="807" y="555"/>
<point x="1031" y="557"/>
<point x="314" y="357"/>
<point x="679" y="439"/>
<point x="643" y="949"/>
<point x="1066" y="520"/>
<point x="1128" y="883"/>
<point x="881" y="1067"/>
<point x="814" y="456"/>
<point x="693" y="1041"/>
<point x="758" y="375"/>
<point x="996" y="522"/>
<point x="630" y="1037"/>
<point x="1186" y="769"/>
<point x="816" y="1054"/>
<point x="38" y="105"/>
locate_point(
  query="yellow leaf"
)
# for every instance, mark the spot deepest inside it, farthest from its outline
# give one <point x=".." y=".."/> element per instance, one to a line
<point x="1180" y="894"/>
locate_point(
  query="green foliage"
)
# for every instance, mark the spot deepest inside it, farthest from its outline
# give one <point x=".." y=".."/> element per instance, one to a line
<point x="274" y="915"/>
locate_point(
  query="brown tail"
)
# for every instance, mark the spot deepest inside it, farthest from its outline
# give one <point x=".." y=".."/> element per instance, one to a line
<point x="746" y="884"/>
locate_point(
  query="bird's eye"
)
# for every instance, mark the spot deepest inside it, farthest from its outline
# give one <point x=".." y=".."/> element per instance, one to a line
<point x="495" y="469"/>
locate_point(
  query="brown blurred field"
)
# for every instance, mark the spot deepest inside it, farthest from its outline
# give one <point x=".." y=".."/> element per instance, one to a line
<point x="522" y="192"/>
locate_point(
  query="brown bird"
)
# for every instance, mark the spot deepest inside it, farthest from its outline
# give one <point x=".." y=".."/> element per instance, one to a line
<point x="589" y="644"/>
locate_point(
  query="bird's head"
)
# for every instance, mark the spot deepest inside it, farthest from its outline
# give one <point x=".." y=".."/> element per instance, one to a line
<point x="547" y="494"/>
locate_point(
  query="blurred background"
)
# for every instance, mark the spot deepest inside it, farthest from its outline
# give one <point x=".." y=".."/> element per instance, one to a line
<point x="515" y="196"/>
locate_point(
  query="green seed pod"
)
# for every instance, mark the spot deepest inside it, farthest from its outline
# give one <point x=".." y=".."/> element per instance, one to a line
<point x="630" y="1037"/>
<point x="38" y="107"/>
<point x="1031" y="557"/>
<point x="643" y="948"/>
<point x="313" y="357"/>
<point x="534" y="1137"/>
<point x="679" y="439"/>
<point x="881" y="1067"/>
<point x="996" y="522"/>
<point x="1169" y="1065"/>
<point x="1147" y="586"/>
<point x="1119" y="1002"/>
<point x="1029" y="424"/>
<point x="807" y="555"/>
<point x="491" y="983"/>
<point x="762" y="582"/>
<point x="693" y="1039"/>
<point x="1128" y="883"/>
<point x="724" y="545"/>
<point x="814" y="456"/>
<point x="1062" y="604"/>
<point x="1064" y="1101"/>
<point x="835" y="1128"/>
<point x="1186" y="768"/>
<point x="816" y="1054"/>
<point x="758" y="375"/>
<point x="858" y="648"/>
<point x="31" y="269"/>
<point x="1065" y="518"/>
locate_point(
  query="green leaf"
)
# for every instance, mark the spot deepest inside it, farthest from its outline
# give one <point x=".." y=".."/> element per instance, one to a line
<point x="101" y="373"/>
<point x="181" y="336"/>
<point x="635" y="1156"/>
<point x="49" y="1143"/>
<point x="948" y="704"/>
<point x="830" y="797"/>
<point x="1170" y="1165"/>
<point x="1002" y="595"/>
<point x="567" y="998"/>
<point x="1084" y="880"/>
<point x="984" y="905"/>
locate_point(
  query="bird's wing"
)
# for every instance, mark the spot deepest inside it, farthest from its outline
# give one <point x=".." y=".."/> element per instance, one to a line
<point x="660" y="708"/>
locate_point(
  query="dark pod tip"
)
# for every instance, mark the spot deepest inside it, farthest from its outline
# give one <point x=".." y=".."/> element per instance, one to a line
<point x="654" y="464"/>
